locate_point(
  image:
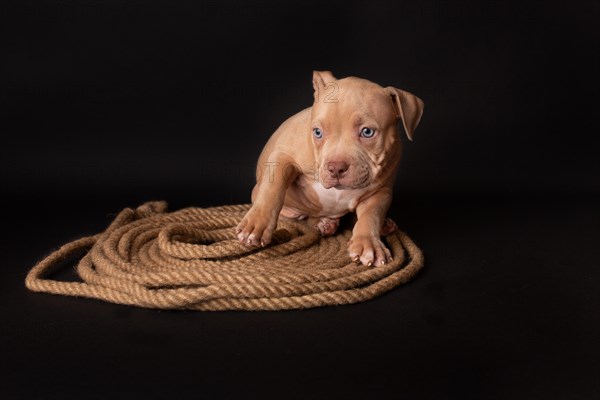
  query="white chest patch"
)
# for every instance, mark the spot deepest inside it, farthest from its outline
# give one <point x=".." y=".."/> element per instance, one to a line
<point x="337" y="202"/>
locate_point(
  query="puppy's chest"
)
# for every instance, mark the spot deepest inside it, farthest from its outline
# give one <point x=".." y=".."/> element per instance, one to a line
<point x="334" y="202"/>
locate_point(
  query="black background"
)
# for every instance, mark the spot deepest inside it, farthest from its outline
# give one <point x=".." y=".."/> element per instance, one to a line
<point x="107" y="104"/>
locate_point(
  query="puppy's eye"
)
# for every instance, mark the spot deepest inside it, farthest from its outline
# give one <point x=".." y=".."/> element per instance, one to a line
<point x="318" y="133"/>
<point x="367" y="132"/>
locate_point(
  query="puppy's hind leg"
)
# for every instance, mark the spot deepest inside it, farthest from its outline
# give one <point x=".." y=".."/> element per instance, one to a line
<point x="388" y="227"/>
<point x="327" y="226"/>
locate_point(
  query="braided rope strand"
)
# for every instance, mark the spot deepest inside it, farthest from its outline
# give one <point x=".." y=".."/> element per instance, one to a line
<point x="191" y="259"/>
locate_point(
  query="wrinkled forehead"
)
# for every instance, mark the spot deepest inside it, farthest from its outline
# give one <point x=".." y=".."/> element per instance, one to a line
<point x="354" y="104"/>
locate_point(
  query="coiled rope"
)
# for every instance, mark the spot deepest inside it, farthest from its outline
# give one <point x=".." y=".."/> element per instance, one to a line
<point x="191" y="259"/>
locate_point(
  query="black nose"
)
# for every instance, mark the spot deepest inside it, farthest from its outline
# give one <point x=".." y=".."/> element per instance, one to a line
<point x="337" y="168"/>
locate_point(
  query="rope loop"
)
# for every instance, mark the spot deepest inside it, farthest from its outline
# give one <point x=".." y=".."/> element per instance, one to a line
<point x="191" y="259"/>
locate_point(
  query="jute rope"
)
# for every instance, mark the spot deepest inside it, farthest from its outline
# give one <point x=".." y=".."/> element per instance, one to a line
<point x="191" y="259"/>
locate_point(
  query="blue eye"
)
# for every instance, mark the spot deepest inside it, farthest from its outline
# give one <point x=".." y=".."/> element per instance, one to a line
<point x="318" y="133"/>
<point x="367" y="132"/>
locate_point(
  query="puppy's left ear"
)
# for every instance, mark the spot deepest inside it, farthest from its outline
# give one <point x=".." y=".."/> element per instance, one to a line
<point x="320" y="81"/>
<point x="408" y="107"/>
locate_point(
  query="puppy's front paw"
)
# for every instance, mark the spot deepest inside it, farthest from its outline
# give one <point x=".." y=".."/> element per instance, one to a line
<point x="257" y="226"/>
<point x="369" y="250"/>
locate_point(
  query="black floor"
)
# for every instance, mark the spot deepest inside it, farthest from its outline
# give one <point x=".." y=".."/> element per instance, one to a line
<point x="506" y="308"/>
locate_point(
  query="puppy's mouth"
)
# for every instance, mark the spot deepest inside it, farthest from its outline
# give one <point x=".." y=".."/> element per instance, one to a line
<point x="345" y="176"/>
<point x="331" y="182"/>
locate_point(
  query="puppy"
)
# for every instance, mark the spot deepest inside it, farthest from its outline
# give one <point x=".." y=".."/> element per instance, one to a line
<point x="336" y="157"/>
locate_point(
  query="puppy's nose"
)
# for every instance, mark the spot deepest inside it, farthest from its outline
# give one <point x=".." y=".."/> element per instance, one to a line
<point x="337" y="168"/>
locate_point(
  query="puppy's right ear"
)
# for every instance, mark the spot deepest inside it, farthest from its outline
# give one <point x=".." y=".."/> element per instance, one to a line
<point x="320" y="81"/>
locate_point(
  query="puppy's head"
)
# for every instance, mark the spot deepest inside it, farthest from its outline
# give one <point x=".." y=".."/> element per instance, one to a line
<point x="354" y="126"/>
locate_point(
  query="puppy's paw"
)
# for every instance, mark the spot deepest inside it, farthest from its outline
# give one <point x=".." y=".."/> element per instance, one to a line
<point x="327" y="226"/>
<point x="257" y="226"/>
<point x="369" y="250"/>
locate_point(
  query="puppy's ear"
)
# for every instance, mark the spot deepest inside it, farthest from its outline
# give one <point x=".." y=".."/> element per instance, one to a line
<point x="408" y="107"/>
<point x="320" y="80"/>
